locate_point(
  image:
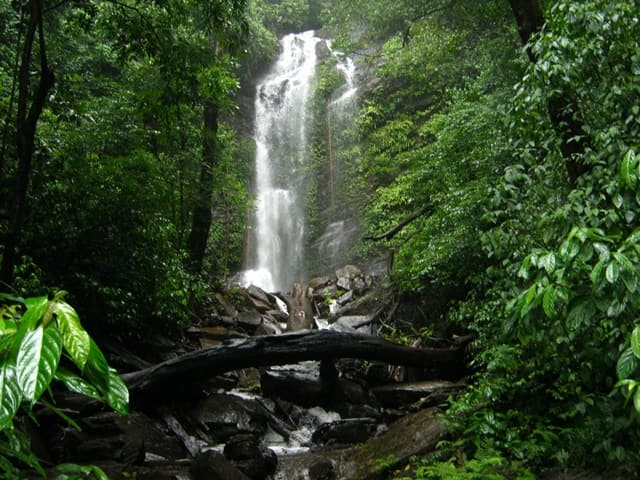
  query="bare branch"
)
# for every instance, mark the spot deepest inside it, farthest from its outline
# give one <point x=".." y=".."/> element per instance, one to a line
<point x="392" y="232"/>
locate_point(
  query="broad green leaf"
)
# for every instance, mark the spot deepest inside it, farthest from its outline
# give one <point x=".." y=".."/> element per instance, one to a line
<point x="36" y="308"/>
<point x="623" y="261"/>
<point x="97" y="369"/>
<point x="80" y="471"/>
<point x="49" y="360"/>
<point x="627" y="169"/>
<point x="635" y="341"/>
<point x="548" y="262"/>
<point x="548" y="301"/>
<point x="118" y="394"/>
<point x="596" y="272"/>
<point x="630" y="280"/>
<point x="603" y="251"/>
<point x="77" y="384"/>
<point x="28" y="362"/>
<point x="10" y="394"/>
<point x="612" y="272"/>
<point x="627" y="364"/>
<point x="636" y="400"/>
<point x="75" y="339"/>
<point x="580" y="314"/>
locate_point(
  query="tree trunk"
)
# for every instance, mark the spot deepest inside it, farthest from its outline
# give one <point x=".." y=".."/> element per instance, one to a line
<point x="174" y="376"/>
<point x="27" y="119"/>
<point x="201" y="220"/>
<point x="563" y="111"/>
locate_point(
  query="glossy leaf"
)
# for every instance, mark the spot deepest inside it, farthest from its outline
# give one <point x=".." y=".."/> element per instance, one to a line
<point x="77" y="384"/>
<point x="97" y="369"/>
<point x="628" y="169"/>
<point x="548" y="301"/>
<point x="635" y="341"/>
<point x="36" y="308"/>
<point x="627" y="364"/>
<point x="612" y="272"/>
<point x="28" y="362"/>
<point x="636" y="400"/>
<point x="75" y="338"/>
<point x="10" y="394"/>
<point x="118" y="393"/>
<point x="49" y="359"/>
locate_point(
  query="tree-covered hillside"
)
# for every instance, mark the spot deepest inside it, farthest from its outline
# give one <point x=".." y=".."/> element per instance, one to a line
<point x="511" y="130"/>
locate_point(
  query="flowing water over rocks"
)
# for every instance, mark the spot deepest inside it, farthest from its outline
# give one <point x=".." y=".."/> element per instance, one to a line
<point x="334" y="418"/>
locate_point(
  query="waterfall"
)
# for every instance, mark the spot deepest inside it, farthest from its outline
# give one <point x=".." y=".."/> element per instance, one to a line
<point x="276" y="247"/>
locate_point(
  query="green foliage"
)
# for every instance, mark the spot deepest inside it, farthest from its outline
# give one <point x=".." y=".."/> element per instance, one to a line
<point x="559" y="306"/>
<point x="36" y="335"/>
<point x="543" y="270"/>
<point x="116" y="167"/>
<point x="487" y="465"/>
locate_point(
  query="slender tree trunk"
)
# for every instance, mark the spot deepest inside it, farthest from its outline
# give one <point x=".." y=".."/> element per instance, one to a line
<point x="563" y="111"/>
<point x="27" y="119"/>
<point x="201" y="220"/>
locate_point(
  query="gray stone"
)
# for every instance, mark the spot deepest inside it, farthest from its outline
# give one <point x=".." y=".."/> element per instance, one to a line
<point x="318" y="282"/>
<point x="210" y="465"/>
<point x="348" y="431"/>
<point x="346" y="298"/>
<point x="224" y="416"/>
<point x="250" y="319"/>
<point x="348" y="271"/>
<point x="321" y="469"/>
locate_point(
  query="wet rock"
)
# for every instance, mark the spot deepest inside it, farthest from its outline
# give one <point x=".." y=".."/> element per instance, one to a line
<point x="210" y="465"/>
<point x="277" y="315"/>
<point x="353" y="323"/>
<point x="321" y="469"/>
<point x="242" y="447"/>
<point x="294" y="388"/>
<point x="346" y="276"/>
<point x="107" y="437"/>
<point x="346" y="432"/>
<point x="267" y="328"/>
<point x="223" y="416"/>
<point x="227" y="308"/>
<point x="346" y="298"/>
<point x="248" y="378"/>
<point x="318" y="282"/>
<point x="246" y="453"/>
<point x="260" y="466"/>
<point x="325" y="292"/>
<point x="359" y="285"/>
<point x="249" y="319"/>
<point x="256" y="293"/>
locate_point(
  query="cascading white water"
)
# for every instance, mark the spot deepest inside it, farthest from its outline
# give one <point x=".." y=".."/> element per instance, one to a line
<point x="276" y="257"/>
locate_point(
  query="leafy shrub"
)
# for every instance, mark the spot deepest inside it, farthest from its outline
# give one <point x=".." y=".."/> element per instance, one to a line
<point x="35" y="335"/>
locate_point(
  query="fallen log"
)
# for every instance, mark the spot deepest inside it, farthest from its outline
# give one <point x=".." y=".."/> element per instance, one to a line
<point x="172" y="376"/>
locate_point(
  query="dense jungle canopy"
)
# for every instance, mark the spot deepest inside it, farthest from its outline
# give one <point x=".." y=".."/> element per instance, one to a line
<point x="495" y="155"/>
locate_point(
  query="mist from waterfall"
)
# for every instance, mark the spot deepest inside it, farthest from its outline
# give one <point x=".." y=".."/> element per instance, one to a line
<point x="342" y="230"/>
<point x="276" y="244"/>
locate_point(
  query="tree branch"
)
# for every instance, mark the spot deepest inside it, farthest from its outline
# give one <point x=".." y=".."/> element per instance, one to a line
<point x="392" y="232"/>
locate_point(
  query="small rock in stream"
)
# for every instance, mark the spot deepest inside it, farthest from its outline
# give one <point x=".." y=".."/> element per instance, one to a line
<point x="210" y="465"/>
<point x="321" y="469"/>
